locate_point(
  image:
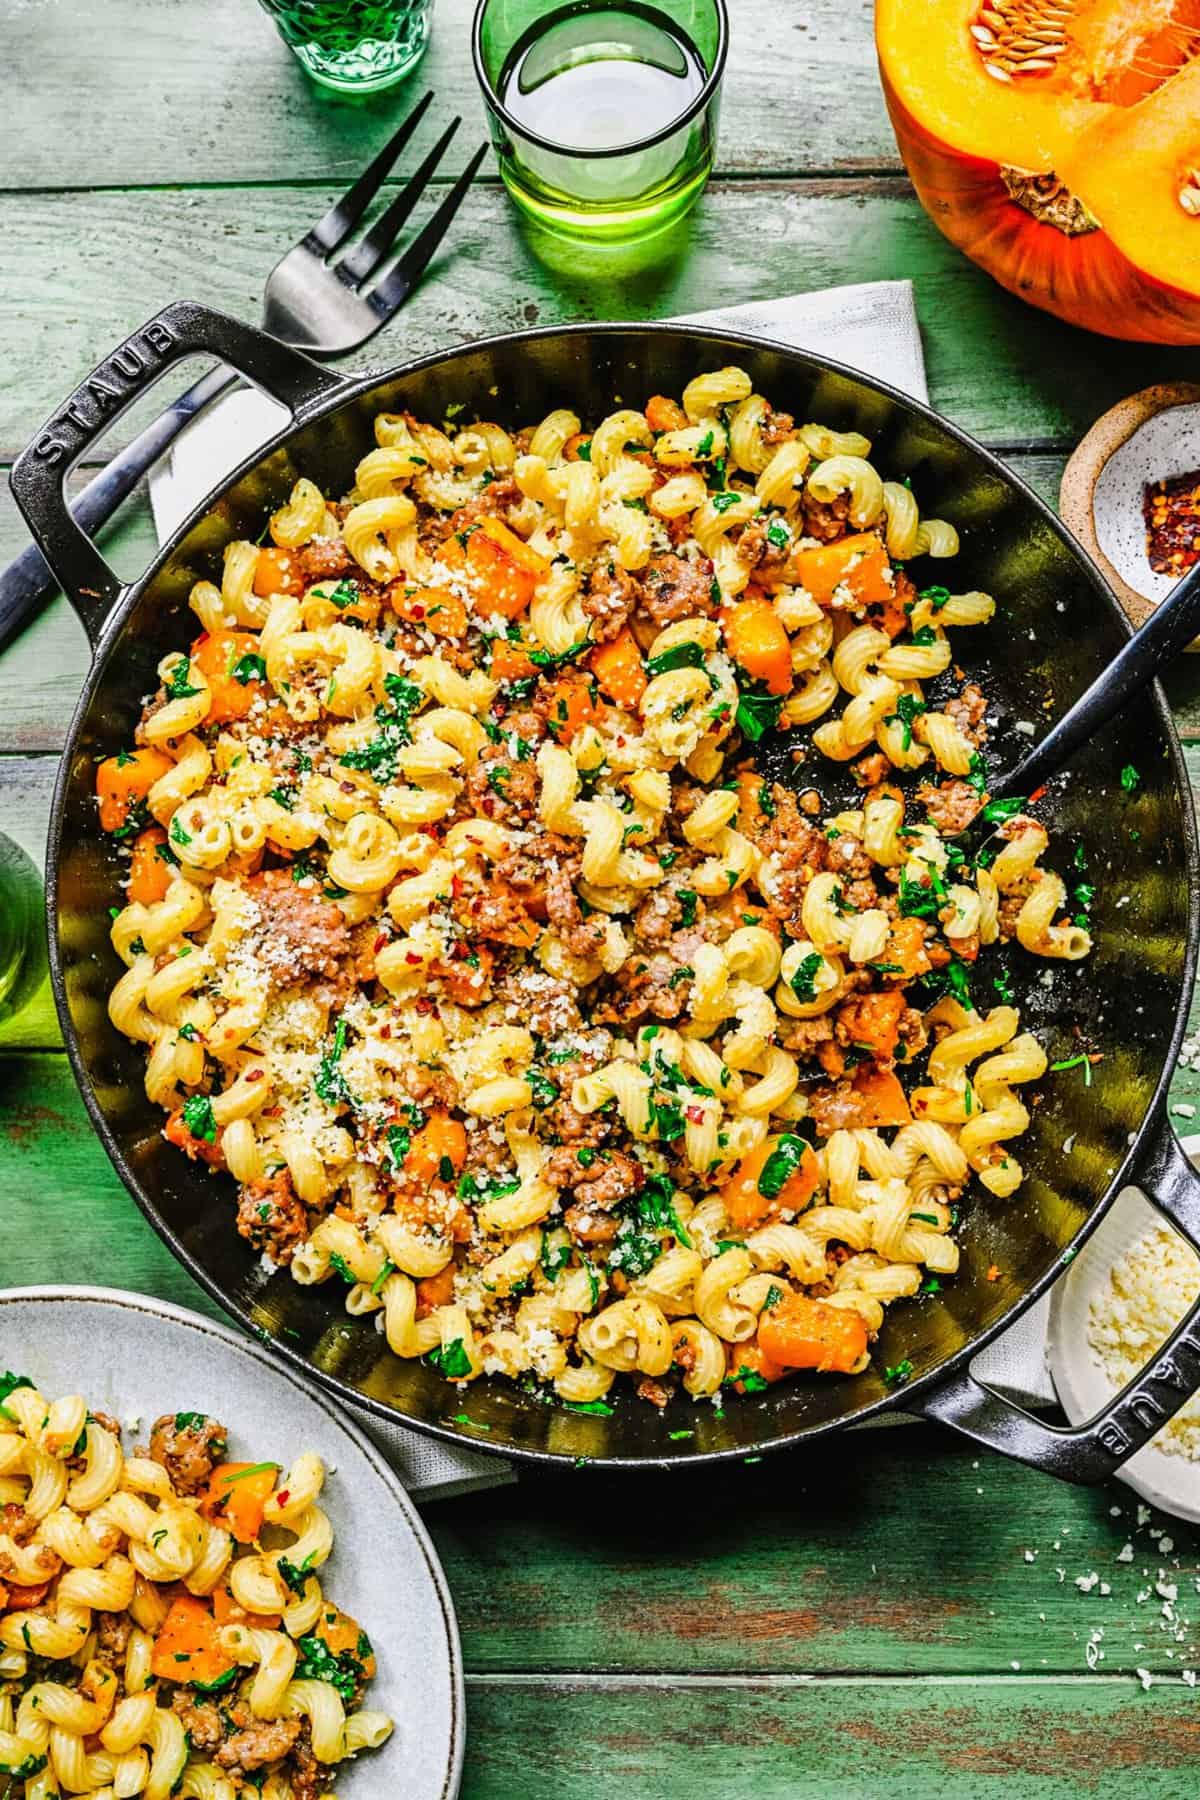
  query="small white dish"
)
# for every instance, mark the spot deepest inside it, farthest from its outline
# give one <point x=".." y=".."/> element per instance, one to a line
<point x="137" y="1358"/>
<point x="1172" y="1483"/>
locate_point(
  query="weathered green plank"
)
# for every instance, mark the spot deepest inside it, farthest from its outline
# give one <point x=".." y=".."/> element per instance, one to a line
<point x="65" y="1215"/>
<point x="42" y="670"/>
<point x="899" y="1551"/>
<point x="1006" y="372"/>
<point x="186" y="93"/>
<point x="853" y="1739"/>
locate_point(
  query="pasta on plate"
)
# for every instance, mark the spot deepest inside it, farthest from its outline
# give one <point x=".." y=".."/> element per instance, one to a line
<point x="462" y="930"/>
<point x="163" y="1626"/>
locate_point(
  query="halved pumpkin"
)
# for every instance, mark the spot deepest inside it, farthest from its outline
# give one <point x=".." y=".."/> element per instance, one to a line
<point x="1057" y="142"/>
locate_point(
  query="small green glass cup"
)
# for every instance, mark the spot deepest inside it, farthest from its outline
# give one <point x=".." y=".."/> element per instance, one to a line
<point x="354" y="46"/>
<point x="22" y="933"/>
<point x="603" y="113"/>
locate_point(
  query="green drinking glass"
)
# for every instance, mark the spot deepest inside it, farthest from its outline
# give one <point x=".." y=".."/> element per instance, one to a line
<point x="354" y="46"/>
<point x="603" y="113"/>
<point x="22" y="932"/>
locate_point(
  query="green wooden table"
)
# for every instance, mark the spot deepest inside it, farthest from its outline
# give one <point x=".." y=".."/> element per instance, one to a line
<point x="893" y="1615"/>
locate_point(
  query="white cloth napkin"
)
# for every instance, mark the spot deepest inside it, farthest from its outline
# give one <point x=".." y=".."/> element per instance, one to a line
<point x="873" y="327"/>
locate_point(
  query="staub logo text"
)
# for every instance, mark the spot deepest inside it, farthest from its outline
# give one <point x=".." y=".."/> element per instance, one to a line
<point x="104" y="392"/>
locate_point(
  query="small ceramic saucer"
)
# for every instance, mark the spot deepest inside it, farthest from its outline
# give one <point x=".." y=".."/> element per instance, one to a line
<point x="1171" y="1483"/>
<point x="1149" y="437"/>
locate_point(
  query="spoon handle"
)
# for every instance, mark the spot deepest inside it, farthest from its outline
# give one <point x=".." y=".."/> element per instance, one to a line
<point x="1168" y="630"/>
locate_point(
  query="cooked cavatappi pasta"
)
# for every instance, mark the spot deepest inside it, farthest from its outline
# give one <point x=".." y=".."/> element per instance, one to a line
<point x="163" y="1629"/>
<point x="462" y="931"/>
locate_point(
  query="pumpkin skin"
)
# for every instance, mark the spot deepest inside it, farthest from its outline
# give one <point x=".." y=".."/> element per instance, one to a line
<point x="1069" y="201"/>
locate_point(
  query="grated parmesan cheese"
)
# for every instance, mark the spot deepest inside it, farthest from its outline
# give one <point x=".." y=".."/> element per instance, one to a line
<point x="1144" y="1298"/>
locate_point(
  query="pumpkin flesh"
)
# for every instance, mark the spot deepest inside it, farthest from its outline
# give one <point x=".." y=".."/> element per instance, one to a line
<point x="1060" y="150"/>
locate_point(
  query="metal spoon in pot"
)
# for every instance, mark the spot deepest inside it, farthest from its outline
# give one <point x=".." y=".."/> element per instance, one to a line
<point x="1166" y="632"/>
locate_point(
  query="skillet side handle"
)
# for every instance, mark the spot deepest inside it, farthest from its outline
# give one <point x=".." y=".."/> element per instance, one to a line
<point x="185" y="328"/>
<point x="1092" y="1451"/>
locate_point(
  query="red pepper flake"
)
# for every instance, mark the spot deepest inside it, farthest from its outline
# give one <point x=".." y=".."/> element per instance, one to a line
<point x="1039" y="793"/>
<point x="411" y="956"/>
<point x="456" y="886"/>
<point x="283" y="1497"/>
<point x="1171" y="510"/>
<point x="993" y="1273"/>
<point x="418" y="611"/>
<point x="423" y="1004"/>
<point x="694" y="1114"/>
<point x="255" y="1074"/>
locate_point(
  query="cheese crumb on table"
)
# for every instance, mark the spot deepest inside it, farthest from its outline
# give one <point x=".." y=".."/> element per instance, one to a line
<point x="1146" y="1294"/>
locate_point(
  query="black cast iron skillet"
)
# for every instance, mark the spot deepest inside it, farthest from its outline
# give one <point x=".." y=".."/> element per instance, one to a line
<point x="1055" y="629"/>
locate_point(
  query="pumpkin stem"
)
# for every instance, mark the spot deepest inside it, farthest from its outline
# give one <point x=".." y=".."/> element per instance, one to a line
<point x="1048" y="200"/>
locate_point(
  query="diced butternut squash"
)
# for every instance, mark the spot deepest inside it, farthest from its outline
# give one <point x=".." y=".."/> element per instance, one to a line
<point x="882" y="1100"/>
<point x="435" y="1290"/>
<point x="785" y="1167"/>
<point x="904" y="955"/>
<point x="277" y="572"/>
<point x="872" y="1021"/>
<point x="860" y="562"/>
<point x="439" y="610"/>
<point x="799" y="1333"/>
<point x="751" y="1360"/>
<point x="438" y="1149"/>
<point x="149" y="873"/>
<point x="665" y="415"/>
<point x="237" y="1495"/>
<point x="187" y="1647"/>
<point x="341" y="1634"/>
<point x="198" y="1148"/>
<point x="570" y="706"/>
<point x="233" y="668"/>
<point x="123" y="780"/>
<point x="510" y="662"/>
<point x="759" y="645"/>
<point x="619" y="670"/>
<point x="499" y="567"/>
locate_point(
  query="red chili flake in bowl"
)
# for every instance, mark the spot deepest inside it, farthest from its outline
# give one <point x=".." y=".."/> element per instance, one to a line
<point x="1171" y="509"/>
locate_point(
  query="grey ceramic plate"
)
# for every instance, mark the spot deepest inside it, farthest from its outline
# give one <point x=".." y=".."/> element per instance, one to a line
<point x="136" y="1358"/>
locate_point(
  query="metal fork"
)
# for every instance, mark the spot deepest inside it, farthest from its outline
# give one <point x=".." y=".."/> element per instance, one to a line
<point x="324" y="307"/>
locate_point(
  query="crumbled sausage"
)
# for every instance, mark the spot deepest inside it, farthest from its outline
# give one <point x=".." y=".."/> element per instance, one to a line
<point x="188" y="1446"/>
<point x="324" y="559"/>
<point x="803" y="1036"/>
<point x="271" y="1218"/>
<point x="950" y="807"/>
<point x="673" y="588"/>
<point x="656" y="918"/>
<point x="608" y="1179"/>
<point x="260" y="1743"/>
<point x="968" y="710"/>
<point x="611" y="596"/>
<point x="826" y="520"/>
<point x="503" y="787"/>
<point x="199" y="1718"/>
<point x="580" y="936"/>
<point x="493" y="503"/>
<point x="16" y="1523"/>
<point x="298" y="932"/>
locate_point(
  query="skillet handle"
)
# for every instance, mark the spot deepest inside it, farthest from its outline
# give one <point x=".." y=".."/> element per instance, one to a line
<point x="1093" y="1450"/>
<point x="185" y="328"/>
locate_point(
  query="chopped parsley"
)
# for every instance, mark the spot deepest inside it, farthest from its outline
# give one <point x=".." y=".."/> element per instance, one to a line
<point x="1130" y="778"/>
<point x="599" y="1409"/>
<point x="751" y="1381"/>
<point x="996" y="811"/>
<point x="296" y="1575"/>
<point x="757" y="714"/>
<point x="679" y="656"/>
<point x="952" y="980"/>
<point x="378" y="758"/>
<point x="926" y="635"/>
<point x="451" y="1360"/>
<point x="554" y="1257"/>
<point x="198" y="1117"/>
<point x="249" y="668"/>
<point x="803" y="982"/>
<point x="338" y="1262"/>
<point x="721" y="503"/>
<point x="898" y="1372"/>
<point x="344" y="594"/>
<point x="921" y="900"/>
<point x="936" y="596"/>
<point x="1003" y="986"/>
<point x="329" y="1083"/>
<point x="783" y="1162"/>
<point x="343" y="1670"/>
<point x="778" y="535"/>
<point x="908" y="708"/>
<point x="1074" y="1062"/>
<point x="688" y="900"/>
<point x="177" y="684"/>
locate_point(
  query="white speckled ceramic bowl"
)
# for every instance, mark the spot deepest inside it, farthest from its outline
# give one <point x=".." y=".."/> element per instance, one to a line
<point x="1171" y="1483"/>
<point x="137" y="1358"/>
<point x="1149" y="437"/>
